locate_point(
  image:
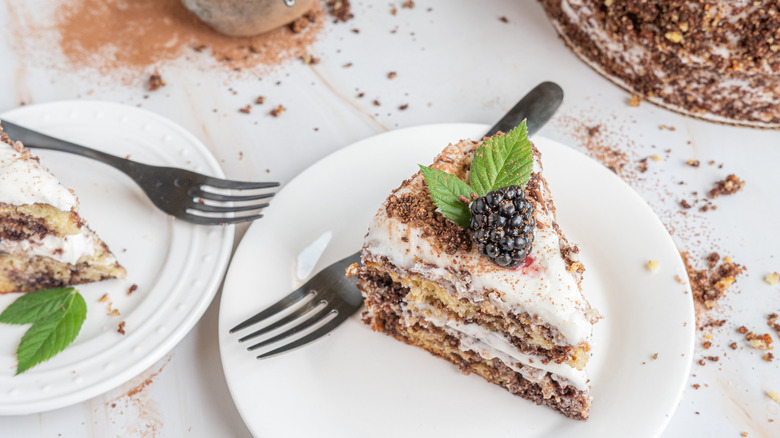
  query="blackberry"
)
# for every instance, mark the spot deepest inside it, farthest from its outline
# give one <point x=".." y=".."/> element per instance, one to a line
<point x="502" y="225"/>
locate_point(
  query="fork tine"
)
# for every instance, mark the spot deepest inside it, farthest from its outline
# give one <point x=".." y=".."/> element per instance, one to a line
<point x="223" y="209"/>
<point x="306" y="308"/>
<point x="230" y="184"/>
<point x="199" y="193"/>
<point x="215" y="220"/>
<point x="311" y="337"/>
<point x="317" y="317"/>
<point x="292" y="298"/>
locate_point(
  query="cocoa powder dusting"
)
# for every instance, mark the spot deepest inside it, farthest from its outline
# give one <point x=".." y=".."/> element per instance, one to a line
<point x="128" y="37"/>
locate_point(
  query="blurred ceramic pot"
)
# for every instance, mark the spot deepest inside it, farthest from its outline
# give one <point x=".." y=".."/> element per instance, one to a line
<point x="247" y="17"/>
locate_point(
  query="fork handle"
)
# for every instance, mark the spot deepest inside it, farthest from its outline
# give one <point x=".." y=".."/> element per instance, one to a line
<point x="35" y="139"/>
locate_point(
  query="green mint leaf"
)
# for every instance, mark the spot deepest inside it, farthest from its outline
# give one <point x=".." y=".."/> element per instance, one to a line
<point x="35" y="306"/>
<point x="445" y="189"/>
<point x="50" y="336"/>
<point x="502" y="161"/>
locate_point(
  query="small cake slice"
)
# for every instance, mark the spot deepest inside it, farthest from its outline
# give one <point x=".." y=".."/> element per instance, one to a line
<point x="493" y="287"/>
<point x="44" y="243"/>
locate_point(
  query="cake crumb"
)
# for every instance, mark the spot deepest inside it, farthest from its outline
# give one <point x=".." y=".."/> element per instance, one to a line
<point x="340" y="10"/>
<point x="743" y="434"/>
<point x="654" y="356"/>
<point x="772" y="279"/>
<point x="114" y="312"/>
<point x="103" y="299"/>
<point x="347" y="65"/>
<point x="728" y="186"/>
<point x="759" y="342"/>
<point x="634" y="101"/>
<point x="768" y="357"/>
<point x="403" y="107"/>
<point x="276" y="112"/>
<point x="260" y="100"/>
<point x="408" y="4"/>
<point x="132" y="289"/>
<point x="121" y="329"/>
<point x="772" y="321"/>
<point x="503" y="19"/>
<point x="696" y="386"/>
<point x="392" y="75"/>
<point x="693" y="163"/>
<point x="156" y="81"/>
<point x="742" y="329"/>
<point x="656" y="158"/>
<point x="246" y="110"/>
<point x="733" y="345"/>
<point x="706" y="345"/>
<point x="653" y="266"/>
<point x="774" y="395"/>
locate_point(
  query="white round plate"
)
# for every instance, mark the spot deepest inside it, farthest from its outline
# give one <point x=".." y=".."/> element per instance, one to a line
<point x="357" y="383"/>
<point x="177" y="266"/>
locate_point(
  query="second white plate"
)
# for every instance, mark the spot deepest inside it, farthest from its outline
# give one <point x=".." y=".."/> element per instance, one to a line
<point x="357" y="383"/>
<point x="176" y="266"/>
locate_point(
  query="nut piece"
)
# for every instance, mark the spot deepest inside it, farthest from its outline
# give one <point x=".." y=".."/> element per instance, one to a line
<point x="772" y="278"/>
<point x="653" y="266"/>
<point x="674" y="37"/>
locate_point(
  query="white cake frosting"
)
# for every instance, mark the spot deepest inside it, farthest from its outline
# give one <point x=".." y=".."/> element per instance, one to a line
<point x="23" y="181"/>
<point x="65" y="249"/>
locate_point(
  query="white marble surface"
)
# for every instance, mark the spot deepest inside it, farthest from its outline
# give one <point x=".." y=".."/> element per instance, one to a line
<point x="456" y="63"/>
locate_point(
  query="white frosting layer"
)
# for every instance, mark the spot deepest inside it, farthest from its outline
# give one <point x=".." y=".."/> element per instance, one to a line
<point x="489" y="344"/>
<point x="545" y="288"/>
<point x="23" y="181"/>
<point x="65" y="249"/>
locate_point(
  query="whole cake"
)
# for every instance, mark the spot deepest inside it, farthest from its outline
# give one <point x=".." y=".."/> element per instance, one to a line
<point x="486" y="278"/>
<point x="710" y="59"/>
<point x="44" y="243"/>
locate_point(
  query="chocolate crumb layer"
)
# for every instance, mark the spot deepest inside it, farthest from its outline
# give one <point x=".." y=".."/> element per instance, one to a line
<point x="419" y="209"/>
<point x="567" y="400"/>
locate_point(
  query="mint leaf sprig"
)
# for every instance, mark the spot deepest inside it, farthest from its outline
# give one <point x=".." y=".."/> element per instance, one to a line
<point x="498" y="162"/>
<point x="56" y="316"/>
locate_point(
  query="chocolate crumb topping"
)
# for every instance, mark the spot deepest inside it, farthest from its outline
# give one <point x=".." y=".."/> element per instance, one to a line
<point x="418" y="209"/>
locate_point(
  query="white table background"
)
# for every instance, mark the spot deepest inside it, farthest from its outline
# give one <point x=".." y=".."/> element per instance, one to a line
<point x="455" y="63"/>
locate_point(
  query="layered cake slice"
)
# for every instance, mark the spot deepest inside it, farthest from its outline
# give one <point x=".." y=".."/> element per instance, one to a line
<point x="480" y="273"/>
<point x="44" y="243"/>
